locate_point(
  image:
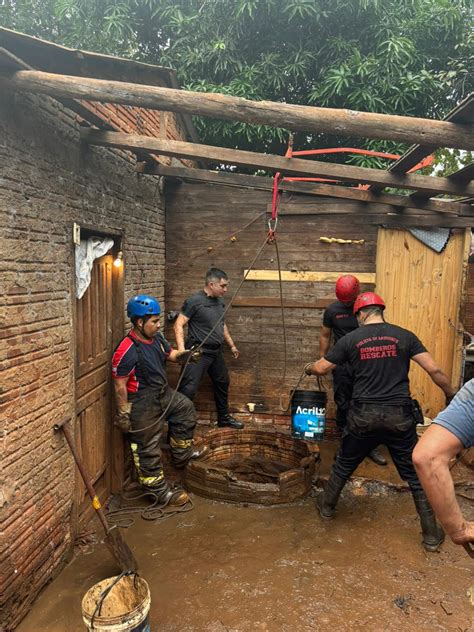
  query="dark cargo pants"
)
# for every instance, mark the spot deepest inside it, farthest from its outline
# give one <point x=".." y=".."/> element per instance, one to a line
<point x="213" y="363"/>
<point x="369" y="425"/>
<point x="147" y="407"/>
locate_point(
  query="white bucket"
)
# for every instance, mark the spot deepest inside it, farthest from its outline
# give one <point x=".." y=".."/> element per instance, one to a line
<point x="124" y="609"/>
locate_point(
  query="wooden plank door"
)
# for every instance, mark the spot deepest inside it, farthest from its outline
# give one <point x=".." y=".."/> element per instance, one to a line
<point x="423" y="291"/>
<point x="94" y="432"/>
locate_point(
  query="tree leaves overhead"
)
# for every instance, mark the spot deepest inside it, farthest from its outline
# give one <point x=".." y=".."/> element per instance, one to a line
<point x="411" y="57"/>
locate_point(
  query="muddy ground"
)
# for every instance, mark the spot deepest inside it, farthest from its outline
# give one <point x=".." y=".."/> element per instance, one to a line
<point x="246" y="568"/>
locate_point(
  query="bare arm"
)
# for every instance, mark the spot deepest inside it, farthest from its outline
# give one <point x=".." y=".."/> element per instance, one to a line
<point x="324" y="340"/>
<point x="439" y="377"/>
<point x="228" y="338"/>
<point x="431" y="458"/>
<point x="121" y="394"/>
<point x="320" y="367"/>
<point x="179" y="324"/>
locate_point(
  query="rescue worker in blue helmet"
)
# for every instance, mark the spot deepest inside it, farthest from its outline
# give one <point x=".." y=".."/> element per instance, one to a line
<point x="381" y="410"/>
<point x="142" y="394"/>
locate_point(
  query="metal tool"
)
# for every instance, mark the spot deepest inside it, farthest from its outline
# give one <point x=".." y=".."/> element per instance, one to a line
<point x="114" y="541"/>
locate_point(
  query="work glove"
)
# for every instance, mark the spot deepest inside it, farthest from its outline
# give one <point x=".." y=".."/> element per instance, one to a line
<point x="122" y="421"/>
<point x="307" y="368"/>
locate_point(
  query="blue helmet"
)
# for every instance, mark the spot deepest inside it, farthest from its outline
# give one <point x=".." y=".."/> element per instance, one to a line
<point x="143" y="305"/>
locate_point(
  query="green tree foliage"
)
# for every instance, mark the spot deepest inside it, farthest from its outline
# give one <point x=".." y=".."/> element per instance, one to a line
<point x="411" y="57"/>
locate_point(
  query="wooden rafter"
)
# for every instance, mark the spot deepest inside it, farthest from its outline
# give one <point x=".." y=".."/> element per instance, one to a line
<point x="260" y="183"/>
<point x="219" y="106"/>
<point x="297" y="166"/>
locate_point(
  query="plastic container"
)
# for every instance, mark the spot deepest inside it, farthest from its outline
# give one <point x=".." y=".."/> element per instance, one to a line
<point x="308" y="415"/>
<point x="124" y="608"/>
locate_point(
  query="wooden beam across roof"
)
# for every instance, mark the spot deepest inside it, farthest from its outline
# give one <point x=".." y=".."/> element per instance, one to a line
<point x="260" y="183"/>
<point x="463" y="113"/>
<point x="288" y="166"/>
<point x="220" y="106"/>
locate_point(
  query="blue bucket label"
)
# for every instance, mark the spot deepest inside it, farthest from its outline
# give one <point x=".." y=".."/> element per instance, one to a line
<point x="308" y="423"/>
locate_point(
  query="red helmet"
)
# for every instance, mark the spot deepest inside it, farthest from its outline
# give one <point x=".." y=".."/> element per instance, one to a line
<point x="347" y="288"/>
<point x="368" y="299"/>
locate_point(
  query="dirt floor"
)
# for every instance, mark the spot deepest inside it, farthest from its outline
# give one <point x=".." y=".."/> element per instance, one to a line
<point x="247" y="568"/>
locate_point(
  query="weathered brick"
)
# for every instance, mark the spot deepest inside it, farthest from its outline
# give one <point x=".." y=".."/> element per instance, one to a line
<point x="50" y="181"/>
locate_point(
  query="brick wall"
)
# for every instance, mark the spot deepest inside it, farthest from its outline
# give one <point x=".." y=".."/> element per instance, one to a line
<point x="47" y="183"/>
<point x="200" y="219"/>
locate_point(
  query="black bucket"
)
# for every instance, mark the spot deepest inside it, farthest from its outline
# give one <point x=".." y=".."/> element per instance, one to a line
<point x="308" y="415"/>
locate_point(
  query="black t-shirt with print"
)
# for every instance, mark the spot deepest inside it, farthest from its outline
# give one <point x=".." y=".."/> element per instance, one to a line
<point x="380" y="356"/>
<point x="203" y="312"/>
<point x="340" y="318"/>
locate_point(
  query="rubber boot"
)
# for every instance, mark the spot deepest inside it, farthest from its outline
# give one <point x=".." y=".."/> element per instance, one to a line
<point x="433" y="534"/>
<point x="167" y="495"/>
<point x="327" y="501"/>
<point x="377" y="457"/>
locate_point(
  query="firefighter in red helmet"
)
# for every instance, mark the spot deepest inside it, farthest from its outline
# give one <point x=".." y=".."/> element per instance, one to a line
<point x="382" y="411"/>
<point x="339" y="320"/>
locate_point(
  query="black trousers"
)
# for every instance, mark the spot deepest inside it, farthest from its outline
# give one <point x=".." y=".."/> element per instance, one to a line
<point x="213" y="363"/>
<point x="343" y="383"/>
<point x="369" y="425"/>
<point x="147" y="407"/>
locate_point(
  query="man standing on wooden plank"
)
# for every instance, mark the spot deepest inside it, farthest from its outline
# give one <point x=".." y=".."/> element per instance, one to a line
<point x="382" y="410"/>
<point x="451" y="432"/>
<point x="203" y="312"/>
<point x="143" y="395"/>
<point x="339" y="320"/>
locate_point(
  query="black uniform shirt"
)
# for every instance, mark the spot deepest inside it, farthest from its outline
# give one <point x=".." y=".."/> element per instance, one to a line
<point x="203" y="312"/>
<point x="380" y="358"/>
<point x="339" y="317"/>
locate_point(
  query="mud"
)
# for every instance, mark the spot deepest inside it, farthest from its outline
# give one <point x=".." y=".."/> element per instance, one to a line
<point x="253" y="469"/>
<point x="121" y="599"/>
<point x="233" y="568"/>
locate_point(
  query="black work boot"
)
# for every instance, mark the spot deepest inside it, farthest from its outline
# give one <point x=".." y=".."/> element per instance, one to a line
<point x="229" y="422"/>
<point x="433" y="534"/>
<point x="327" y="501"/>
<point x="166" y="494"/>
<point x="377" y="457"/>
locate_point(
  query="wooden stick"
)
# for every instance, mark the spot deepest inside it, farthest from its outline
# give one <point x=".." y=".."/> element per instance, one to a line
<point x="219" y="106"/>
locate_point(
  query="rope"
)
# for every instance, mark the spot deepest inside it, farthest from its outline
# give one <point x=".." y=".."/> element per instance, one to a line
<point x="155" y="511"/>
<point x="201" y="344"/>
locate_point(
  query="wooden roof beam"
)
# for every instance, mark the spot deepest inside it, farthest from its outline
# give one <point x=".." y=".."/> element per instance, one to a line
<point x="219" y="106"/>
<point x="297" y="166"/>
<point x="222" y="178"/>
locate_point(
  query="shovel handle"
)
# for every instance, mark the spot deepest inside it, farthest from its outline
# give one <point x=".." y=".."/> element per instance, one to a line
<point x="62" y="425"/>
<point x="469" y="548"/>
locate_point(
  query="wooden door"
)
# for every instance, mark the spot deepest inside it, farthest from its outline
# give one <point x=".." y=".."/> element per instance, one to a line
<point x="423" y="291"/>
<point x="96" y="333"/>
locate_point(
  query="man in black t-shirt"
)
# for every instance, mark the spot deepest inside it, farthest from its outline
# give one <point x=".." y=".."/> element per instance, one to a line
<point x="382" y="409"/>
<point x="203" y="313"/>
<point x="143" y="395"/>
<point x="339" y="320"/>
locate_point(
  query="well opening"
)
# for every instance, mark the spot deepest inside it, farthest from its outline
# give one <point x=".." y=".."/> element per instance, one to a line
<point x="253" y="466"/>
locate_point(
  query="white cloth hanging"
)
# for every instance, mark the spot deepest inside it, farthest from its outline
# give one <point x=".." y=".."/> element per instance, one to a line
<point x="89" y="250"/>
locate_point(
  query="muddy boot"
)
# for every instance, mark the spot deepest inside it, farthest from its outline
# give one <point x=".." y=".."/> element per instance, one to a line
<point x="182" y="457"/>
<point x="327" y="501"/>
<point x="377" y="457"/>
<point x="433" y="534"/>
<point x="167" y="495"/>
